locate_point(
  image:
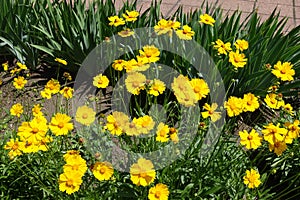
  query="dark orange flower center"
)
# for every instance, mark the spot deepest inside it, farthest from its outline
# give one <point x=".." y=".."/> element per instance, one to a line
<point x="15" y="147"/>
<point x="157" y="194"/>
<point x="35" y="130"/>
<point x="69" y="183"/>
<point x="197" y="89"/>
<point x="102" y="171"/>
<point x="60" y="125"/>
<point x="249" y="137"/>
<point x="85" y="116"/>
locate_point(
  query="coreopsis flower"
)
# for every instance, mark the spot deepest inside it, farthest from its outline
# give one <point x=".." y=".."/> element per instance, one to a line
<point x="149" y="54"/>
<point x="237" y="59"/>
<point x="16" y="110"/>
<point x="278" y="147"/>
<point x="42" y="144"/>
<point x="159" y="192"/>
<point x="250" y="102"/>
<point x="273" y="101"/>
<point x="100" y="81"/>
<point x="85" y="115"/>
<point x="61" y="61"/>
<point x="252" y="178"/>
<point x="71" y="154"/>
<point x="274" y="133"/>
<point x="136" y="65"/>
<point x="186" y="33"/>
<point x="15" y="147"/>
<point x="60" y="124"/>
<point x="207" y="19"/>
<point x="126" y="33"/>
<point x="116" y="21"/>
<point x="163" y="27"/>
<point x="116" y="122"/>
<point x="21" y="66"/>
<point x="289" y="109"/>
<point x="142" y="173"/>
<point x="119" y="64"/>
<point x="157" y="87"/>
<point x="103" y="170"/>
<point x="241" y="45"/>
<point x="211" y="112"/>
<point x="135" y="82"/>
<point x="222" y="47"/>
<point x="46" y="94"/>
<point x="69" y="182"/>
<point x="37" y="110"/>
<point x="293" y="131"/>
<point x="76" y="165"/>
<point x="5" y="66"/>
<point x="53" y="86"/>
<point x="284" y="71"/>
<point x="19" y="82"/>
<point x="131" y="16"/>
<point x="31" y="146"/>
<point x="162" y="133"/>
<point x="250" y="140"/>
<point x="145" y="123"/>
<point x="132" y="128"/>
<point x="234" y="106"/>
<point x="34" y="130"/>
<point x="67" y="76"/>
<point x="67" y="92"/>
<point x="183" y="91"/>
<point x="200" y="88"/>
<point x="173" y="133"/>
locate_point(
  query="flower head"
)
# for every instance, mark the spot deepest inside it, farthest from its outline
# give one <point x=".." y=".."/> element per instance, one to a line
<point x="252" y="179"/>
<point x="145" y="124"/>
<point x="234" y="106"/>
<point x="241" y="45"/>
<point x="119" y="64"/>
<point x="34" y="130"/>
<point x="159" y="192"/>
<point x="116" y="21"/>
<point x="36" y="110"/>
<point x="100" y="81"/>
<point x="142" y="173"/>
<point x="53" y="86"/>
<point x="211" y="112"/>
<point x="157" y="87"/>
<point x="103" y="170"/>
<point x="61" y="61"/>
<point x="284" y="71"/>
<point x="67" y="92"/>
<point x="200" y="88"/>
<point x="207" y="19"/>
<point x="116" y="122"/>
<point x="250" y="102"/>
<point x="5" y="66"/>
<point x="186" y="33"/>
<point x="273" y="101"/>
<point x="19" y="82"/>
<point x="16" y="110"/>
<point x="69" y="182"/>
<point x="60" y="124"/>
<point x="85" y="115"/>
<point x="76" y="165"/>
<point x="15" y="147"/>
<point x="126" y="33"/>
<point x="278" y="147"/>
<point x="274" y="133"/>
<point x="250" y="140"/>
<point x="149" y="54"/>
<point x="135" y="82"/>
<point x="237" y="59"/>
<point x="162" y="133"/>
<point x="222" y="47"/>
<point x="131" y="16"/>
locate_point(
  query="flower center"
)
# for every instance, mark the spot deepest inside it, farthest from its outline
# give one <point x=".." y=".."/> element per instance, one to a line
<point x="102" y="171"/>
<point x="35" y="130"/>
<point x="75" y="167"/>
<point x="135" y="84"/>
<point x="60" y="125"/>
<point x="249" y="137"/>
<point x="157" y="194"/>
<point x="15" y="147"/>
<point x="85" y="116"/>
<point x="143" y="175"/>
<point x="283" y="71"/>
<point x="100" y="81"/>
<point x="197" y="89"/>
<point x="69" y="183"/>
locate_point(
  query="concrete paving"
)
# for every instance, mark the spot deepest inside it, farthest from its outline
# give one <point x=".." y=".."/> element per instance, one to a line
<point x="287" y="8"/>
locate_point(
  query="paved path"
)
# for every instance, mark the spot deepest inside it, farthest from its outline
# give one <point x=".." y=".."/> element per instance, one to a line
<point x="288" y="8"/>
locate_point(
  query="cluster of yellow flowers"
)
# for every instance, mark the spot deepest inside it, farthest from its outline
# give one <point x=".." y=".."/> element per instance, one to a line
<point x="53" y="87"/>
<point x="236" y="106"/>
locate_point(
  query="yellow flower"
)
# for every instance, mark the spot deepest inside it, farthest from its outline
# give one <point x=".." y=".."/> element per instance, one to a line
<point x="162" y="133"/>
<point x="200" y="88"/>
<point x="234" y="106"/>
<point x="103" y="170"/>
<point x="211" y="112"/>
<point x="67" y="92"/>
<point x="293" y="131"/>
<point x="136" y="65"/>
<point x="116" y="122"/>
<point x="162" y="27"/>
<point x="69" y="182"/>
<point x="100" y="81"/>
<point x="36" y="110"/>
<point x="145" y="123"/>
<point x="173" y="135"/>
<point x="241" y="45"/>
<point x="126" y="33"/>
<point x="131" y="16"/>
<point x="34" y="130"/>
<point x="274" y="133"/>
<point x="15" y="147"/>
<point x="149" y="54"/>
<point x="72" y="154"/>
<point x="273" y="101"/>
<point x="288" y="108"/>
<point x="60" y="124"/>
<point x="76" y="165"/>
<point x="159" y="192"/>
<point x="132" y="128"/>
<point x="222" y="47"/>
<point x="142" y="173"/>
<point x="21" y="66"/>
<point x="19" y="82"/>
<point x="250" y="102"/>
<point x="186" y="33"/>
<point x="16" y="110"/>
<point x="31" y="146"/>
<point x="237" y="59"/>
<point x="85" y="115"/>
<point x="183" y="91"/>
<point x="61" y="61"/>
<point x="279" y="147"/>
<point x="250" y="140"/>
<point x="116" y="21"/>
<point x="53" y="86"/>
<point x="42" y="145"/>
<point x="135" y="82"/>
<point x="46" y="94"/>
<point x="5" y="66"/>
<point x="207" y="19"/>
<point x="67" y="75"/>
<point x="284" y="71"/>
<point x="157" y="87"/>
<point x="252" y="178"/>
<point x="119" y="65"/>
